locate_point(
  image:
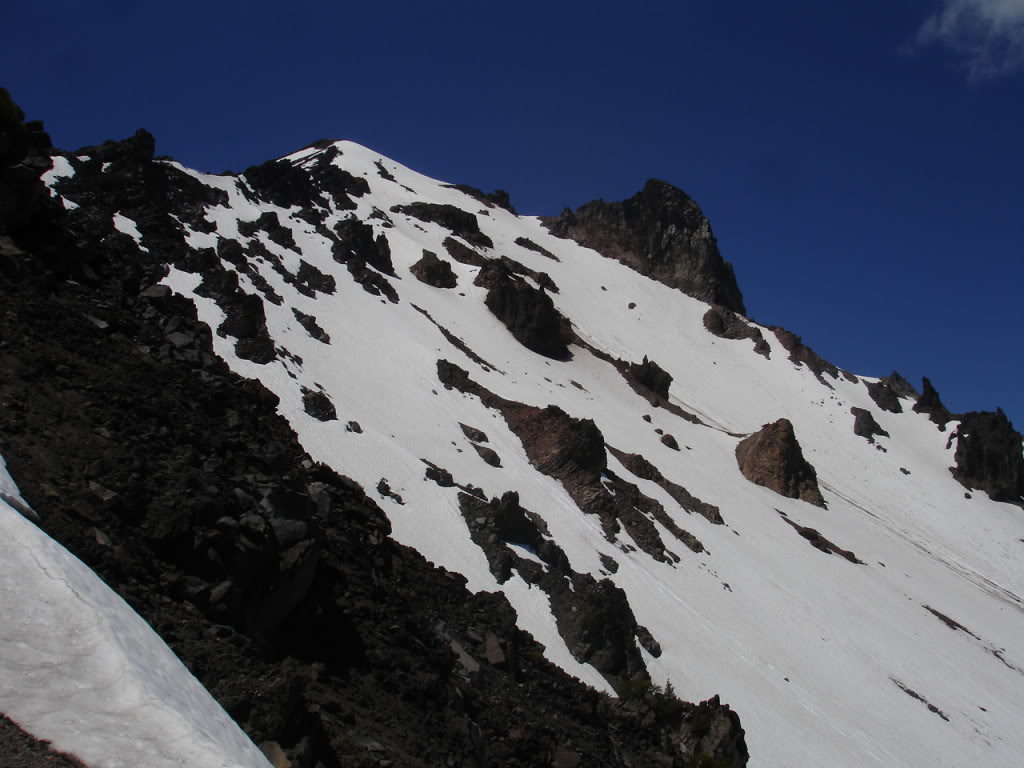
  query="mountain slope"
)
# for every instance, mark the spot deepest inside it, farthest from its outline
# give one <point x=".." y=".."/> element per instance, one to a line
<point x="558" y="427"/>
<point x="272" y="577"/>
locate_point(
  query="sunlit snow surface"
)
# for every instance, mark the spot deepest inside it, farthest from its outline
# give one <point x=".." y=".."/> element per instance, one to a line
<point x="79" y="668"/>
<point x="807" y="647"/>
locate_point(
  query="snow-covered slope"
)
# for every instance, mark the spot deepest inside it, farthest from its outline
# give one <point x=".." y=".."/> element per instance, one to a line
<point x="913" y="656"/>
<point x="80" y="669"/>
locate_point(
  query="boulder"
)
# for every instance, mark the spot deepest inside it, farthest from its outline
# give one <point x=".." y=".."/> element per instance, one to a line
<point x="772" y="457"/>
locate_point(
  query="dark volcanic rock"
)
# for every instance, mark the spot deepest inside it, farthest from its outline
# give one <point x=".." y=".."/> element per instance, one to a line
<point x="528" y="244"/>
<point x="489" y="455"/>
<point x="593" y="617"/>
<point x="245" y="318"/>
<point x="726" y="324"/>
<point x="900" y="385"/>
<point x="498" y="198"/>
<point x="660" y="232"/>
<point x="528" y="312"/>
<point x="455" y="220"/>
<point x="801" y="354"/>
<point x="456" y="342"/>
<point x="312" y="327"/>
<point x="270" y="223"/>
<point x="651" y="376"/>
<point x="865" y="426"/>
<point x="885" y="396"/>
<point x="318" y="405"/>
<point x="463" y="253"/>
<point x="772" y="457"/>
<point x="819" y="542"/>
<point x="359" y="251"/>
<point x="503" y="521"/>
<point x="287" y="184"/>
<point x="357" y="241"/>
<point x="629" y="371"/>
<point x="434" y="271"/>
<point x="573" y="452"/>
<point x="989" y="455"/>
<point x="645" y="470"/>
<point x="599" y="627"/>
<point x="555" y="442"/>
<point x="543" y="279"/>
<point x="714" y="730"/>
<point x="474" y="434"/>
<point x="930" y="403"/>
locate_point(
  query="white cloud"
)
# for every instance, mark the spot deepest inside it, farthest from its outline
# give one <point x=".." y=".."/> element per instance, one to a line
<point x="987" y="34"/>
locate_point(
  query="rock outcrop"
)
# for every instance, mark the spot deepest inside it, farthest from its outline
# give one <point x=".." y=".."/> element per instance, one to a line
<point x="931" y="404"/>
<point x="528" y="312"/>
<point x="434" y="271"/>
<point x="819" y="542"/>
<point x="989" y="455"/>
<point x="645" y="470"/>
<point x="455" y="220"/>
<point x="884" y="396"/>
<point x="573" y="452"/>
<point x="651" y="376"/>
<point x="865" y="426"/>
<point x="726" y="324"/>
<point x="772" y="457"/>
<point x="659" y="232"/>
<point x="801" y="354"/>
<point x="714" y="730"/>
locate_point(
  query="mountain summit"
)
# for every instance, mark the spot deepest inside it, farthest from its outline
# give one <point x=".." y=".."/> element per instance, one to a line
<point x="413" y="462"/>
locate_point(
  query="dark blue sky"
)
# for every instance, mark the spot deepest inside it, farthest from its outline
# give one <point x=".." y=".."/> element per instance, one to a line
<point x="865" y="177"/>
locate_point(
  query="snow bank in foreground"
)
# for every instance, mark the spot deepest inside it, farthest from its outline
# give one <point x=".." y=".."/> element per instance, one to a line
<point x="80" y="668"/>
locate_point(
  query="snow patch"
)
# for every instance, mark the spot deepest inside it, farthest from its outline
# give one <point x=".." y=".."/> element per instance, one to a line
<point x="82" y="670"/>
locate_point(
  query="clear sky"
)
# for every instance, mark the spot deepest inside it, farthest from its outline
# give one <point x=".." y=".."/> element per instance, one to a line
<point x="862" y="162"/>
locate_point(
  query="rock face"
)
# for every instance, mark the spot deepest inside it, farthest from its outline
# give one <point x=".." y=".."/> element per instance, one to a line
<point x="772" y="457"/>
<point x="660" y="232"/>
<point x="989" y="455"/>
